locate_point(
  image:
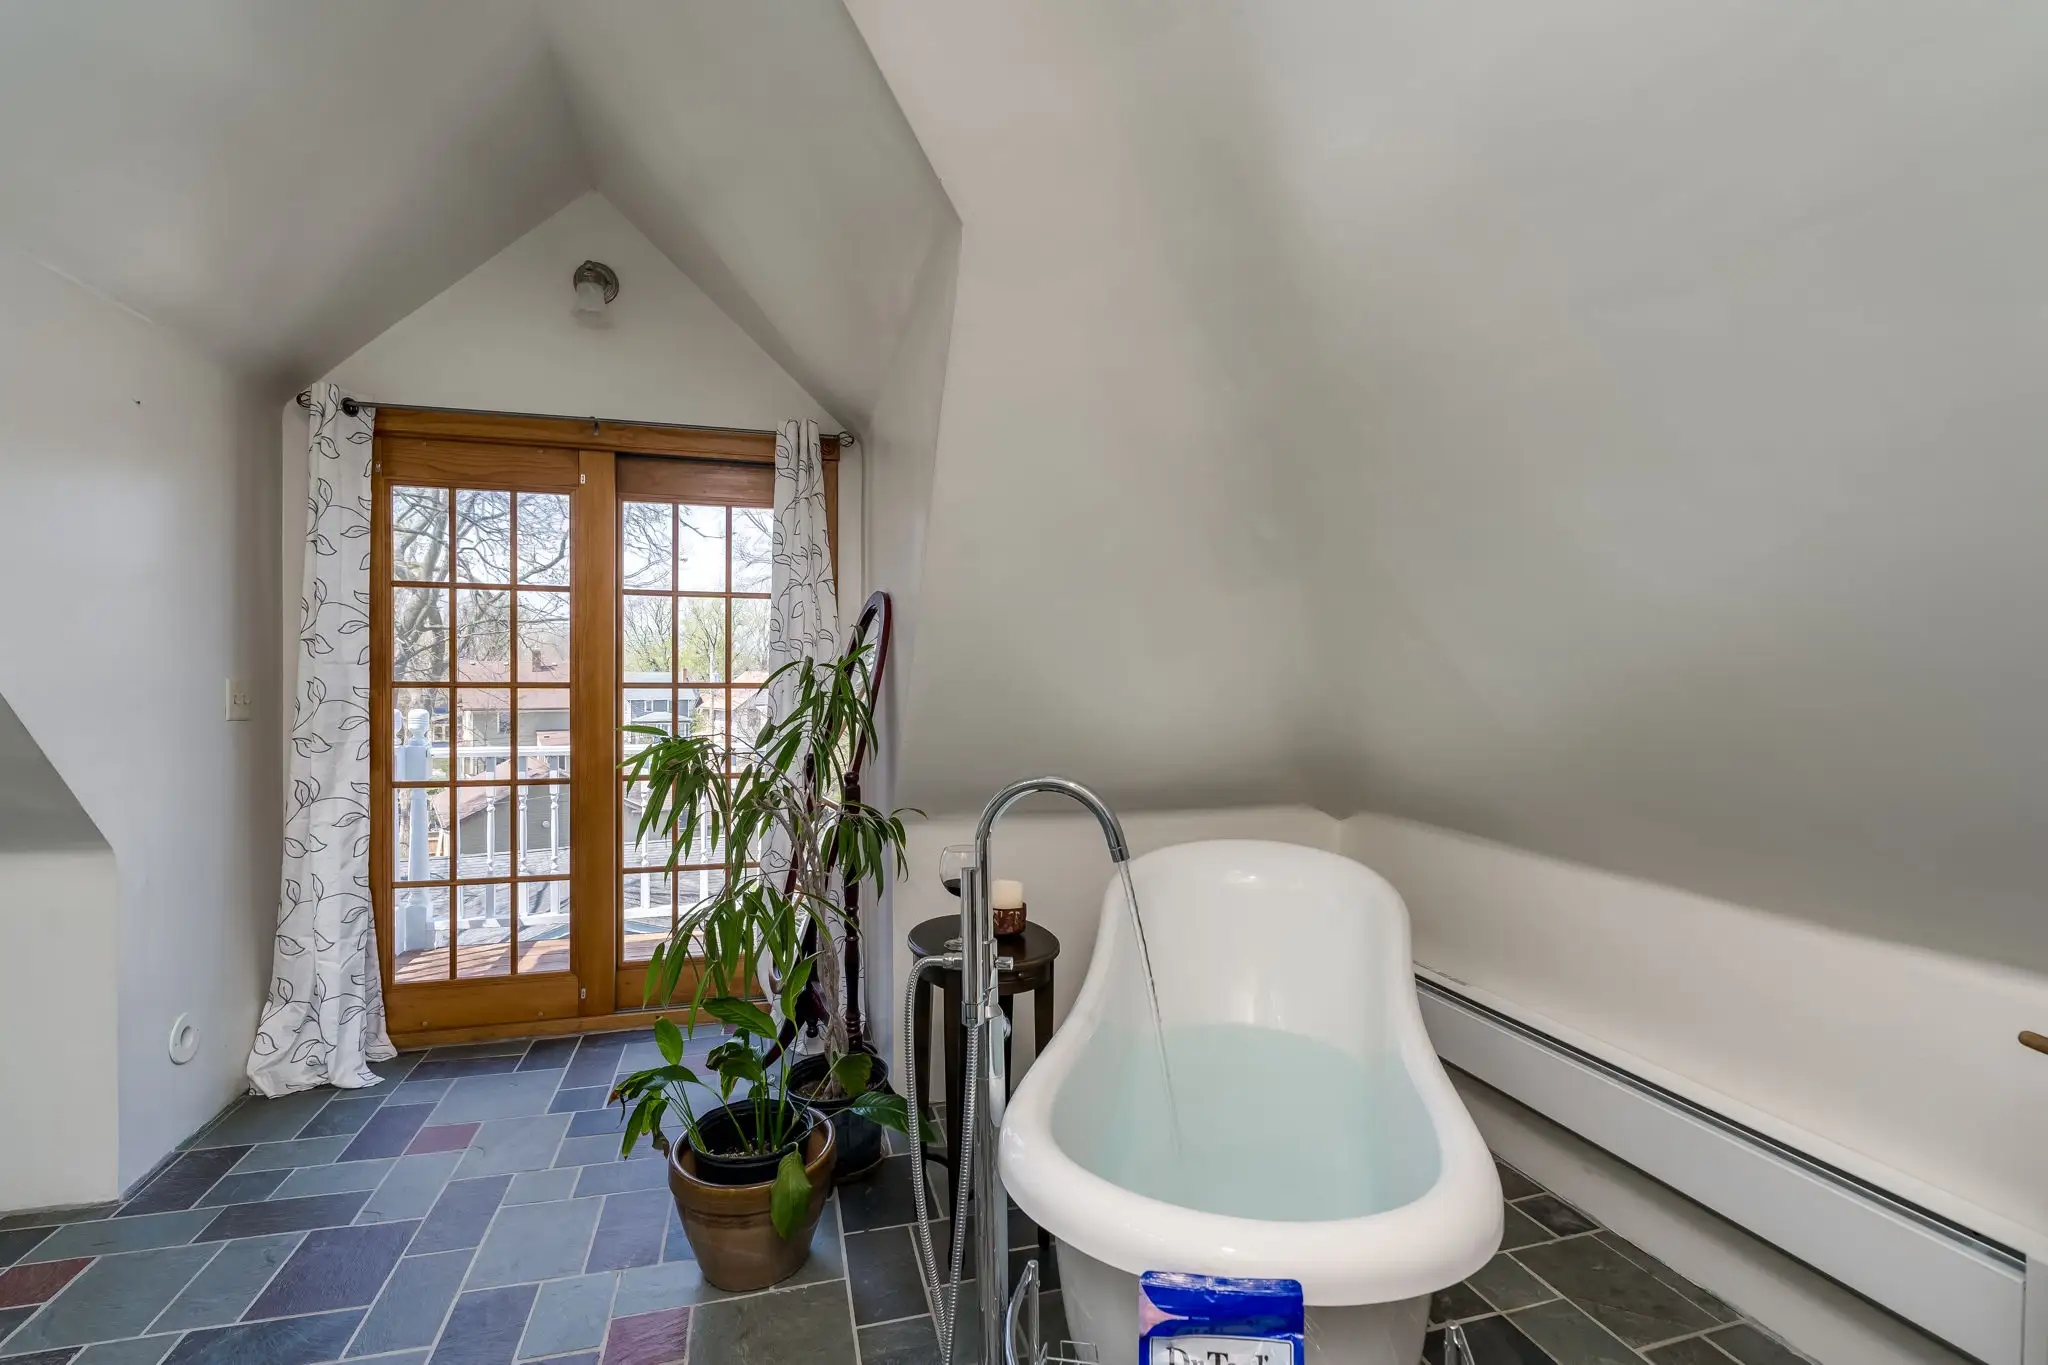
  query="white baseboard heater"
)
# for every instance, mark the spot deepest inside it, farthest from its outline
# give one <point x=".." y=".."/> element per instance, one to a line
<point x="1949" y="1281"/>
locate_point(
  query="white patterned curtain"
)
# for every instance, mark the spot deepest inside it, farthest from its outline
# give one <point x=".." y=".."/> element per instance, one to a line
<point x="323" y="1023"/>
<point x="803" y="614"/>
<point x="803" y="620"/>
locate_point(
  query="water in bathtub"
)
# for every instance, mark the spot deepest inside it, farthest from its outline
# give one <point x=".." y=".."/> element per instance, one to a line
<point x="1272" y="1125"/>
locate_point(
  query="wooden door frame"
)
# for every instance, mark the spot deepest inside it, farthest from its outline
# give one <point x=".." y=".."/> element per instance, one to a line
<point x="612" y="438"/>
<point x="587" y="997"/>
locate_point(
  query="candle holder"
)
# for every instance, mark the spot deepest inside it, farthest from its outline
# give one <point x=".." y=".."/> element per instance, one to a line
<point x="1006" y="907"/>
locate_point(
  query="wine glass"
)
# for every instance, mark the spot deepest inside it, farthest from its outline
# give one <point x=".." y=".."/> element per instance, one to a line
<point x="954" y="859"/>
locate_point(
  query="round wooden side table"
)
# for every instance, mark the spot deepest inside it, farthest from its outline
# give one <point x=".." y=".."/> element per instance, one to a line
<point x="1033" y="956"/>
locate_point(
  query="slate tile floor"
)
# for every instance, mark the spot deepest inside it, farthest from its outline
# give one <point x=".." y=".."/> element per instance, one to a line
<point x="473" y="1210"/>
<point x="1565" y="1291"/>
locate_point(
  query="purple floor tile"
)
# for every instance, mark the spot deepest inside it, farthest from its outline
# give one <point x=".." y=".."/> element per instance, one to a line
<point x="282" y="1341"/>
<point x="184" y="1181"/>
<point x="409" y="1313"/>
<point x="548" y="1054"/>
<point x="605" y="1122"/>
<point x="677" y="1246"/>
<point x="334" y="1268"/>
<point x="592" y="1069"/>
<point x="388" y="1133"/>
<point x="440" y="1068"/>
<point x="343" y="1115"/>
<point x="649" y="1339"/>
<point x="596" y="1061"/>
<point x="284" y="1215"/>
<point x="485" y="1326"/>
<point x="446" y="1137"/>
<point x="631" y="1231"/>
<point x="461" y="1214"/>
<point x="57" y="1357"/>
<point x="646" y="1171"/>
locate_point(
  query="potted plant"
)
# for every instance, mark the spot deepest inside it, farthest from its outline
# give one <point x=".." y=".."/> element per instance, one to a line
<point x="787" y="829"/>
<point x="752" y="1172"/>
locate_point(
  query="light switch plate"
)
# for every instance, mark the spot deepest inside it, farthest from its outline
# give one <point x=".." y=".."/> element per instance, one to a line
<point x="239" y="706"/>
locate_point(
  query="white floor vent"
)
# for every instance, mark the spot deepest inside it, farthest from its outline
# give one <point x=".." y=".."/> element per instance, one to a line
<point x="1947" y="1280"/>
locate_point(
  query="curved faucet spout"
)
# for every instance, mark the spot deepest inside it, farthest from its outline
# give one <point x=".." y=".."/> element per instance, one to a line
<point x="999" y="806"/>
<point x="981" y="1012"/>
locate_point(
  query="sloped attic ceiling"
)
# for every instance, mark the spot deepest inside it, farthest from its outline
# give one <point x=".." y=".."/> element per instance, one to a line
<point x="1603" y="425"/>
<point x="1610" y="427"/>
<point x="759" y="148"/>
<point x="280" y="183"/>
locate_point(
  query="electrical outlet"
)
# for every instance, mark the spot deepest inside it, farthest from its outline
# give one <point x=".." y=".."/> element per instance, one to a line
<point x="239" y="707"/>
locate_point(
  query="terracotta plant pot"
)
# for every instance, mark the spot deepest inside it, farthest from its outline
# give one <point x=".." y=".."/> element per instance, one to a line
<point x="728" y="1225"/>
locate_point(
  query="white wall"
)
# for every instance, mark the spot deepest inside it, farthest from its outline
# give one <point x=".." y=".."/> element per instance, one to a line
<point x="1061" y="860"/>
<point x="60" y="902"/>
<point x="138" y="476"/>
<point x="501" y="339"/>
<point x="897" y="459"/>
<point x="1895" y="1063"/>
<point x="60" y="1124"/>
<point x="900" y="452"/>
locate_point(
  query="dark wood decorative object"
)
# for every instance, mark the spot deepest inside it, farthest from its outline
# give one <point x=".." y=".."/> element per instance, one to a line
<point x="871" y="629"/>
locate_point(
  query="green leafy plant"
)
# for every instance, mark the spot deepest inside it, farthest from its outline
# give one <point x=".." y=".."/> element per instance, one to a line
<point x="769" y="1119"/>
<point x="786" y="799"/>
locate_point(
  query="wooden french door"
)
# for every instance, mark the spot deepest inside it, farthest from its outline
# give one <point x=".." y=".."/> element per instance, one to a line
<point x="482" y="630"/>
<point x="695" y="566"/>
<point x="527" y="600"/>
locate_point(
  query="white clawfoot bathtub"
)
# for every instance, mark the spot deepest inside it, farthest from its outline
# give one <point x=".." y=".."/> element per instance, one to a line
<point x="1335" y="1154"/>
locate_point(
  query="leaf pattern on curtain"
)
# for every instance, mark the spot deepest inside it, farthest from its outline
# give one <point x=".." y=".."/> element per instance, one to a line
<point x="323" y="1022"/>
<point x="803" y="612"/>
<point x="803" y="620"/>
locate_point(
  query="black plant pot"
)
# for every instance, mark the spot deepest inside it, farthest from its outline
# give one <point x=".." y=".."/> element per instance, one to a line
<point x="727" y="1130"/>
<point x="860" y="1139"/>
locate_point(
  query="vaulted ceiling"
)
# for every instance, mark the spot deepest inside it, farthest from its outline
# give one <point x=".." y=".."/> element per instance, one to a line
<point x="1607" y="426"/>
<point x="280" y="183"/>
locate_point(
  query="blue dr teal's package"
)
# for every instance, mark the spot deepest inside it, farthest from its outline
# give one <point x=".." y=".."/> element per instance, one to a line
<point x="1209" y="1320"/>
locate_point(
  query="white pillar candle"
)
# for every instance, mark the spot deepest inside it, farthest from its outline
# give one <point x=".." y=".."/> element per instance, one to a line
<point x="1006" y="895"/>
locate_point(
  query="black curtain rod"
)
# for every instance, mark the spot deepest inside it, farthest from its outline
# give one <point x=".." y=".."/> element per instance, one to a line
<point x="352" y="407"/>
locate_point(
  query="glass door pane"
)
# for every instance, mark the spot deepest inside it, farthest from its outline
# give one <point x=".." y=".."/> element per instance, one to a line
<point x="693" y="615"/>
<point x="477" y="672"/>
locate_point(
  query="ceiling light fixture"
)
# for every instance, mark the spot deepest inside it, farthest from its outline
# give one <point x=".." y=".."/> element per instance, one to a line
<point x="596" y="286"/>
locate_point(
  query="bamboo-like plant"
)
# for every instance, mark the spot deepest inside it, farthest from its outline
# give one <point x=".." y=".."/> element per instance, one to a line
<point x="787" y="799"/>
